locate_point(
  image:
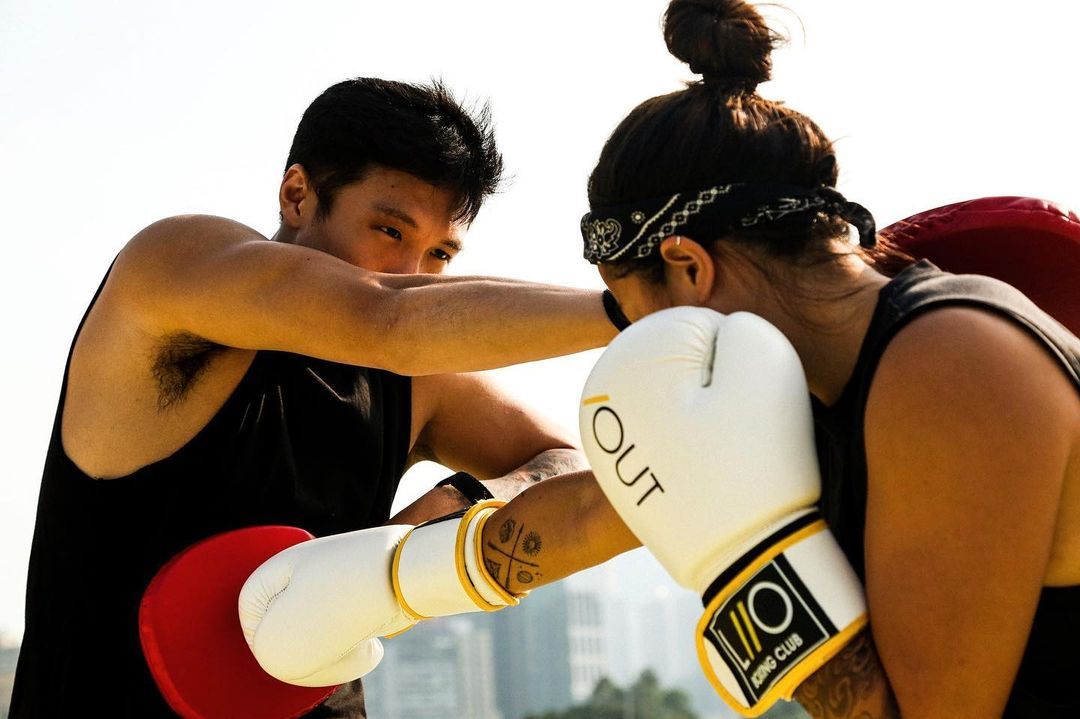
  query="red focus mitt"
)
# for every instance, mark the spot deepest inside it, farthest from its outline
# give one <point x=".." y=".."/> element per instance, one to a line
<point x="1034" y="245"/>
<point x="191" y="635"/>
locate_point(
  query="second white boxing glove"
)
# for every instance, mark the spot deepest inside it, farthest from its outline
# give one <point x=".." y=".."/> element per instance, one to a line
<point x="312" y="614"/>
<point x="698" y="429"/>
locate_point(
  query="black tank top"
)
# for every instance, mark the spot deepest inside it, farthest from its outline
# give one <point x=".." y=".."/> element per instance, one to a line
<point x="1045" y="683"/>
<point x="299" y="442"/>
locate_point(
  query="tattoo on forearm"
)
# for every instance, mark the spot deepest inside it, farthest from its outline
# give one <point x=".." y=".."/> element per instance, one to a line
<point x="549" y="464"/>
<point x="493" y="568"/>
<point x="852" y="685"/>
<point x="532" y="544"/>
<point x="517" y="544"/>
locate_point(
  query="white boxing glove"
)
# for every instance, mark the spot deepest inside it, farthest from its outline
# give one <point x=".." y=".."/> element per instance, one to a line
<point x="312" y="614"/>
<point x="699" y="430"/>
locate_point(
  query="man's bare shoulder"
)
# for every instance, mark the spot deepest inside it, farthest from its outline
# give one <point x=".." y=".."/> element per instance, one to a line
<point x="183" y="234"/>
<point x="131" y="395"/>
<point x="180" y="225"/>
<point x="162" y="263"/>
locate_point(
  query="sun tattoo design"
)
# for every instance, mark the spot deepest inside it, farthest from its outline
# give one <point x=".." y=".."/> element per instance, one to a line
<point x="531" y="544"/>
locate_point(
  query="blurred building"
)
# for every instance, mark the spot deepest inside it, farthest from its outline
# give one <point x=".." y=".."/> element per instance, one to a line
<point x="585" y="632"/>
<point x="654" y="628"/>
<point x="664" y="624"/>
<point x="549" y="651"/>
<point x="440" y="668"/>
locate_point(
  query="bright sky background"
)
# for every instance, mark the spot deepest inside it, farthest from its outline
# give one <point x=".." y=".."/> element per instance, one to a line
<point x="119" y="112"/>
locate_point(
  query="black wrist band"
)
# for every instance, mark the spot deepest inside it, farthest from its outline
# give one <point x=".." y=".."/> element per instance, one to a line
<point x="468" y="485"/>
<point x="614" y="312"/>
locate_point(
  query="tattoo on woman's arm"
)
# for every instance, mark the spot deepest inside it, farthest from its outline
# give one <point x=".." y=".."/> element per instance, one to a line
<point x="851" y="685"/>
<point x="515" y="547"/>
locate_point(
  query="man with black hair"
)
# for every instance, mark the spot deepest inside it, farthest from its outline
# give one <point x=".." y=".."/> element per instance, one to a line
<point x="220" y="379"/>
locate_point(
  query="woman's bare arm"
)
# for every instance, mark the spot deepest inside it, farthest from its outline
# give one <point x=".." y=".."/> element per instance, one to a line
<point x="552" y="530"/>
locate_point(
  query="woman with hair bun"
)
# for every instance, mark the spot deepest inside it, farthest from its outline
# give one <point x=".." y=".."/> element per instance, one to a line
<point x="794" y="416"/>
<point x="945" y="407"/>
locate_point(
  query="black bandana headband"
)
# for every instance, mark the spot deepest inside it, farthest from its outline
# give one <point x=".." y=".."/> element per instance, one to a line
<point x="633" y="231"/>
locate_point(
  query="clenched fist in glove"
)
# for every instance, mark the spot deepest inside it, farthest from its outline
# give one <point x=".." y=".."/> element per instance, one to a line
<point x="313" y="613"/>
<point x="699" y="430"/>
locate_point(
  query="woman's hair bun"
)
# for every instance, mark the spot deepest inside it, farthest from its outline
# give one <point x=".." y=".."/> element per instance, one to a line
<point x="725" y="41"/>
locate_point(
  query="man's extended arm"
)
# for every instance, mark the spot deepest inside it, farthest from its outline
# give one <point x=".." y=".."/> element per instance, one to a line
<point x="225" y="283"/>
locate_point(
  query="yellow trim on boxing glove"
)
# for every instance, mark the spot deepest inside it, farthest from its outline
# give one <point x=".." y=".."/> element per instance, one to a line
<point x="399" y="632"/>
<point x="394" y="582"/>
<point x="484" y="509"/>
<point x="511" y="599"/>
<point x="749" y="647"/>
<point x="437" y="568"/>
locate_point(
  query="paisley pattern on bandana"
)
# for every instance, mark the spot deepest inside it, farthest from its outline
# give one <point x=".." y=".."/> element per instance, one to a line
<point x="603" y="235"/>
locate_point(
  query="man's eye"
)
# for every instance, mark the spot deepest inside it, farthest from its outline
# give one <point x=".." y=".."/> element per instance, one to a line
<point x="391" y="231"/>
<point x="442" y="255"/>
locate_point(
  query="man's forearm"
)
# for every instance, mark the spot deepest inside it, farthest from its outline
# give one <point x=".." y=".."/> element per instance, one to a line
<point x="547" y="464"/>
<point x="441" y="325"/>
<point x="851" y="685"/>
<point x="226" y="284"/>
<point x="441" y="501"/>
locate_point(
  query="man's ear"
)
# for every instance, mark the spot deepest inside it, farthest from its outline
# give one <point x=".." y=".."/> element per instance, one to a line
<point x="689" y="270"/>
<point x="296" y="198"/>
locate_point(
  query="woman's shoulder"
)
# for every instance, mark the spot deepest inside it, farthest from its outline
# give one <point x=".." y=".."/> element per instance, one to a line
<point x="928" y="315"/>
<point x="970" y="386"/>
<point x="957" y="349"/>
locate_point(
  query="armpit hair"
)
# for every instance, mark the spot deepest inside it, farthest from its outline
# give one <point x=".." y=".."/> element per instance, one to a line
<point x="178" y="363"/>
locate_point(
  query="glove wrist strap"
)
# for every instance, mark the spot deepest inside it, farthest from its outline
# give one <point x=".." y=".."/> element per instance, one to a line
<point x="438" y="571"/>
<point x="790" y="608"/>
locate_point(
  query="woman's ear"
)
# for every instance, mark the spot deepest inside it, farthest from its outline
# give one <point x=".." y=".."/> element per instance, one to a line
<point x="690" y="270"/>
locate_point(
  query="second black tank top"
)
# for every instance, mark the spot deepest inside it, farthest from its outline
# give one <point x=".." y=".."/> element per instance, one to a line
<point x="1044" y="685"/>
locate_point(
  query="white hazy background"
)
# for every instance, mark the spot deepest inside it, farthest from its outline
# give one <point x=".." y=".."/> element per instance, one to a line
<point x="116" y="113"/>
